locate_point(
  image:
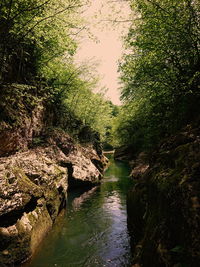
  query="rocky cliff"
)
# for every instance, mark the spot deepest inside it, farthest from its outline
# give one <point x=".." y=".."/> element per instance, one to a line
<point x="163" y="206"/>
<point x="38" y="165"/>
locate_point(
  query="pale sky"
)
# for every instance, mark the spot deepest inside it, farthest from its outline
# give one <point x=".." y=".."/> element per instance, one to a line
<point x="108" y="50"/>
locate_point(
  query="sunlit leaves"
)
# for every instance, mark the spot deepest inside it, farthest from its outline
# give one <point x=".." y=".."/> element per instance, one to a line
<point x="35" y="32"/>
<point x="160" y="71"/>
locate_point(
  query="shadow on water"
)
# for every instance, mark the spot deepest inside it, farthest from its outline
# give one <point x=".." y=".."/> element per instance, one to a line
<point x="93" y="232"/>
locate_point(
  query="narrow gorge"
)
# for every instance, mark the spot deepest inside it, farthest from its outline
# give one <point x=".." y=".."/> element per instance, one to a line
<point x="99" y="133"/>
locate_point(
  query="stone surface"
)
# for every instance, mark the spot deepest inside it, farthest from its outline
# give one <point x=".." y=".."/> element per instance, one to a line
<point x="33" y="188"/>
<point x="32" y="193"/>
<point x="83" y="162"/>
<point x="22" y="117"/>
<point x="38" y="164"/>
<point x="164" y="205"/>
<point x="140" y="165"/>
<point x="124" y="153"/>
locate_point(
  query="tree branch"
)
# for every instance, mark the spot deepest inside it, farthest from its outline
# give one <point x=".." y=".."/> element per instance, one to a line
<point x="46" y="18"/>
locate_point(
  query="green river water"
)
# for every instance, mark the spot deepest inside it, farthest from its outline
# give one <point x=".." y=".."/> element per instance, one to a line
<point x="93" y="231"/>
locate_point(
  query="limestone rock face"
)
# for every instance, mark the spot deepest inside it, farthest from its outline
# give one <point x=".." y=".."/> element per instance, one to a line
<point x="124" y="153"/>
<point x="38" y="164"/>
<point x="163" y="206"/>
<point x="84" y="165"/>
<point x="140" y="165"/>
<point x="23" y="118"/>
<point x="19" y="138"/>
<point x="32" y="193"/>
<point x="33" y="189"/>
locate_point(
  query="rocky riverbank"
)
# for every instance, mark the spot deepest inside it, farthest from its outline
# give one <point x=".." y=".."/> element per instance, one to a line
<point x="33" y="188"/>
<point x="163" y="206"/>
<point x="38" y="165"/>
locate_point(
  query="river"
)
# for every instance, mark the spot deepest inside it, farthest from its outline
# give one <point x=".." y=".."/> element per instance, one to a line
<point x="93" y="231"/>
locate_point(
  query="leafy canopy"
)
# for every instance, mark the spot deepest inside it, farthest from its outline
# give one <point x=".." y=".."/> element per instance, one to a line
<point x="160" y="71"/>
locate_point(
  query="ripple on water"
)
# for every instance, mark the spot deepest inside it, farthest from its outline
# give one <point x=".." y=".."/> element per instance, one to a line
<point x="93" y="233"/>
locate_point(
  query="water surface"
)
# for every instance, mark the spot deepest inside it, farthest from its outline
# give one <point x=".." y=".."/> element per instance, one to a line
<point x="93" y="232"/>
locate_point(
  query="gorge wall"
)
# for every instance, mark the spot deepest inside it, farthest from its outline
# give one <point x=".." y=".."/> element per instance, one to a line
<point x="163" y="206"/>
<point x="38" y="165"/>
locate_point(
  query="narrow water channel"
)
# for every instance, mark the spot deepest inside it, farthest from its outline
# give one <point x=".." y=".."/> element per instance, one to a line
<point x="93" y="232"/>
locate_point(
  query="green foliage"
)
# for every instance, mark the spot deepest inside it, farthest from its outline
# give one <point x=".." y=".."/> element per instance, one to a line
<point x="32" y="33"/>
<point x="17" y="102"/>
<point x="160" y="72"/>
<point x="75" y="100"/>
<point x="37" y="47"/>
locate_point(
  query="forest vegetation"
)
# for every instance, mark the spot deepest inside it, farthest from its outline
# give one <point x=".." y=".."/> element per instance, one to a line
<point x="37" y="48"/>
<point x="160" y="72"/>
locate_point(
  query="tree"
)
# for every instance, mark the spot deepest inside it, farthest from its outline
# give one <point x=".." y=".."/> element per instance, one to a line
<point x="36" y="48"/>
<point x="32" y="33"/>
<point x="160" y="72"/>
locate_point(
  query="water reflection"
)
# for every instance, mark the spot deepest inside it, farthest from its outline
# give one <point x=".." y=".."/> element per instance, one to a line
<point x="78" y="201"/>
<point x="93" y="232"/>
<point x="118" y="253"/>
